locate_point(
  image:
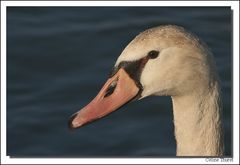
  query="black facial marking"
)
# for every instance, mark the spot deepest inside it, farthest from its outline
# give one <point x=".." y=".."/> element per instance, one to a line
<point x="129" y="64"/>
<point x="134" y="70"/>
<point x="153" y="54"/>
<point x="113" y="71"/>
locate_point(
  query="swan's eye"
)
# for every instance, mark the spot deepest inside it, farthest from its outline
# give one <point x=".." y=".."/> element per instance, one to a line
<point x="153" y="54"/>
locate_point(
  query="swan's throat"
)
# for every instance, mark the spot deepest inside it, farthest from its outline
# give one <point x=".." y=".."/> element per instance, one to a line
<point x="197" y="123"/>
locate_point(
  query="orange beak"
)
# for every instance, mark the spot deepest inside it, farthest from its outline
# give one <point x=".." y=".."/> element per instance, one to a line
<point x="117" y="91"/>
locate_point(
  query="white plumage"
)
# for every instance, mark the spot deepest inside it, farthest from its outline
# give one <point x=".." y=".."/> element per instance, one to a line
<point x="184" y="70"/>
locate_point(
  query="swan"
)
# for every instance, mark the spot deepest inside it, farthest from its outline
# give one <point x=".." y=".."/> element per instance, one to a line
<point x="167" y="61"/>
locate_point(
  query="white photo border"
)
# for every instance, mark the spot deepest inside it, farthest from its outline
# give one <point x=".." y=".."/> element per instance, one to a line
<point x="185" y="160"/>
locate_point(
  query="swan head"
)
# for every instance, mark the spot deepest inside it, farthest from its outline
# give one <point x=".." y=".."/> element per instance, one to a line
<point x="165" y="60"/>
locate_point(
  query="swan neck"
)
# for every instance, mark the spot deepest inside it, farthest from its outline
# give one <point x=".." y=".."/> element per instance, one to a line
<point x="197" y="120"/>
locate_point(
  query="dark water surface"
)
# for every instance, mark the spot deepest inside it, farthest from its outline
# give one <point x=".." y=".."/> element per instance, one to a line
<point x="58" y="59"/>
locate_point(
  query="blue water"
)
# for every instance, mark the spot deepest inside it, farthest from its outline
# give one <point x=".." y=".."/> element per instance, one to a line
<point x="58" y="59"/>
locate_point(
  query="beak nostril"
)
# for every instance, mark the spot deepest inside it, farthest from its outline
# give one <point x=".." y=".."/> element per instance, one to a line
<point x="111" y="88"/>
